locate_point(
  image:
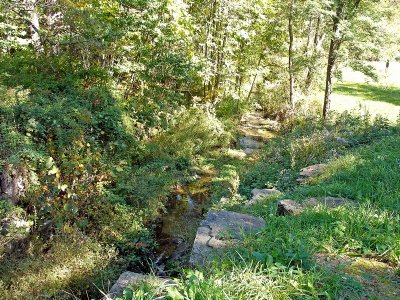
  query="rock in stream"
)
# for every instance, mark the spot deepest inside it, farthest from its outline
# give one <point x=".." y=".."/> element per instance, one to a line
<point x="218" y="230"/>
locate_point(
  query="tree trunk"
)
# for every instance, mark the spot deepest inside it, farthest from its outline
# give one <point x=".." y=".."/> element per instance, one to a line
<point x="220" y="63"/>
<point x="34" y="26"/>
<point x="316" y="45"/>
<point x="209" y="34"/>
<point x="336" y="41"/>
<point x="255" y="76"/>
<point x="332" y="55"/>
<point x="291" y="71"/>
<point x="309" y="31"/>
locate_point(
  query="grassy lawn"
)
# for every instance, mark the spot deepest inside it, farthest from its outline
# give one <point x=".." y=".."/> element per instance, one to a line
<point x="372" y="92"/>
<point x="365" y="98"/>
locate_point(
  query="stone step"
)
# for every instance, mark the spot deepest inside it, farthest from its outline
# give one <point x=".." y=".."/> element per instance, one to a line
<point x="259" y="194"/>
<point x="257" y="134"/>
<point x="291" y="207"/>
<point x="219" y="230"/>
<point x="129" y="279"/>
<point x="310" y="172"/>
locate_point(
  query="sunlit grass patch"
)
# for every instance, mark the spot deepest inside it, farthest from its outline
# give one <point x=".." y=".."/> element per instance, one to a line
<point x="373" y="92"/>
<point x="71" y="266"/>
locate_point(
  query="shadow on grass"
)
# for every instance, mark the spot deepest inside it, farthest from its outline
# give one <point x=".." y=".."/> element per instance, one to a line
<point x="390" y="94"/>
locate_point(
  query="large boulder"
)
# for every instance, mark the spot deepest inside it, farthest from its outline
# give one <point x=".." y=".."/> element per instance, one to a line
<point x="259" y="194"/>
<point x="219" y="230"/>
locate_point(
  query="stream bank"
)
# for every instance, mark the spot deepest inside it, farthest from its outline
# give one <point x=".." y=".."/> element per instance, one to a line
<point x="188" y="203"/>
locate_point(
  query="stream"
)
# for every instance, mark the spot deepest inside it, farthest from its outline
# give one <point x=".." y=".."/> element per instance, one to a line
<point x="187" y="204"/>
<point x="178" y="225"/>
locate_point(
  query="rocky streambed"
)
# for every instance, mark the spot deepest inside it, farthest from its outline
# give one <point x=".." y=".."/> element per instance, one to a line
<point x="176" y="228"/>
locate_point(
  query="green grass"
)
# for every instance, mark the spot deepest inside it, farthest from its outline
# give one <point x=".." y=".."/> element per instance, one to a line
<point x="364" y="91"/>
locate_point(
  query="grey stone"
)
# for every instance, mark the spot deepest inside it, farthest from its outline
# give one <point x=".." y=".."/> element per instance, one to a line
<point x="218" y="230"/>
<point x="343" y="141"/>
<point x="330" y="202"/>
<point x="128" y="279"/>
<point x="289" y="207"/>
<point x="257" y="119"/>
<point x="310" y="172"/>
<point x="248" y="151"/>
<point x="258" y="194"/>
<point x="248" y="142"/>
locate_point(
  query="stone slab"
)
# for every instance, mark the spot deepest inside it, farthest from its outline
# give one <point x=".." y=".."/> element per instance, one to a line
<point x="258" y="194"/>
<point x="218" y="230"/>
<point x="128" y="279"/>
<point x="290" y="207"/>
<point x="310" y="171"/>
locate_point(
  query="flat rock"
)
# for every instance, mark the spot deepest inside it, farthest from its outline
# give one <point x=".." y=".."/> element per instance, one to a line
<point x="257" y="120"/>
<point x="237" y="154"/>
<point x="258" y="194"/>
<point x="218" y="230"/>
<point x="331" y="202"/>
<point x="289" y="207"/>
<point x="310" y="171"/>
<point x="249" y="142"/>
<point x="258" y="134"/>
<point x="128" y="279"/>
<point x="248" y="151"/>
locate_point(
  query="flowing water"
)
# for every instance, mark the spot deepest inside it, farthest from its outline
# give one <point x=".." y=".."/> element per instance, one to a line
<point x="178" y="225"/>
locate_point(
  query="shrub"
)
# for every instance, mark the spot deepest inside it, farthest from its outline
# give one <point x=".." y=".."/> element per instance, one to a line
<point x="192" y="132"/>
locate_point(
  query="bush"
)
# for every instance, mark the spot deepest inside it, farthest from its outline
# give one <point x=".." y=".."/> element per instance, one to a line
<point x="232" y="108"/>
<point x="273" y="101"/>
<point x="192" y="132"/>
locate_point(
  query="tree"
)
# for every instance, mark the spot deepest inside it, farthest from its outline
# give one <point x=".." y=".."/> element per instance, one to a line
<point x="343" y="12"/>
<point x="290" y="54"/>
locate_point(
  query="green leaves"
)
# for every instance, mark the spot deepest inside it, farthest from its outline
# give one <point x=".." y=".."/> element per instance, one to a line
<point x="263" y="257"/>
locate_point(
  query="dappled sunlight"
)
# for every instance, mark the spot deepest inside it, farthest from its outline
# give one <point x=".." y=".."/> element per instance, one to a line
<point x="378" y="278"/>
<point x="342" y="103"/>
<point x="258" y="133"/>
<point x="343" y="165"/>
<point x="373" y="92"/>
